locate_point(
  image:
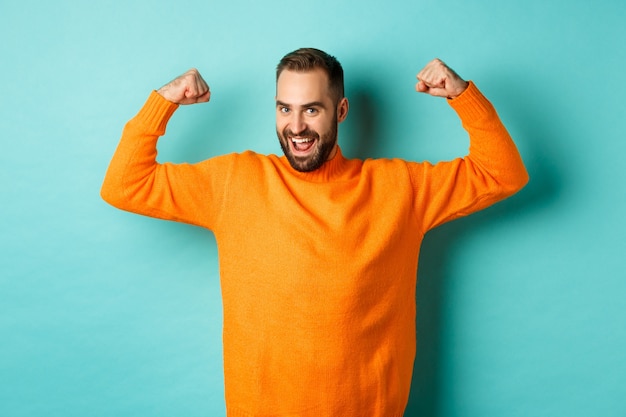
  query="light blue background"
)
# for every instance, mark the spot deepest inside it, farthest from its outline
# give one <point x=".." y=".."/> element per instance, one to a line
<point x="521" y="307"/>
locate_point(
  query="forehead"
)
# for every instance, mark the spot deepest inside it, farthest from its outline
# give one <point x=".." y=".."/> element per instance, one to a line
<point x="301" y="87"/>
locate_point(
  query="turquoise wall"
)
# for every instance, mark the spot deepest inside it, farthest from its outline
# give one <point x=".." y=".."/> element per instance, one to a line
<point x="521" y="307"/>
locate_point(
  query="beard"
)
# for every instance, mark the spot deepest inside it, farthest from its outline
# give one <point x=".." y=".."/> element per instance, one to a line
<point x="324" y="146"/>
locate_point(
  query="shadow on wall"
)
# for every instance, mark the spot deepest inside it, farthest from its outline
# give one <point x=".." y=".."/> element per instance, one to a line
<point x="359" y="133"/>
<point x="532" y="128"/>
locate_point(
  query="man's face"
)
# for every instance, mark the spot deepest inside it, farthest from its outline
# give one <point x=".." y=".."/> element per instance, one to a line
<point x="307" y="117"/>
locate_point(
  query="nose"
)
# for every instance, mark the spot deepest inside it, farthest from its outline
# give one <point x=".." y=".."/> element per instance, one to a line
<point x="298" y="125"/>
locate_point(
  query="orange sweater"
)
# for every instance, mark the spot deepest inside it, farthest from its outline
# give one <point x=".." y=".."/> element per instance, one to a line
<point x="318" y="270"/>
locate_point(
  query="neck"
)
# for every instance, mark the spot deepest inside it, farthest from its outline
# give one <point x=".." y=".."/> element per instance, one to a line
<point x="332" y="153"/>
<point x="334" y="169"/>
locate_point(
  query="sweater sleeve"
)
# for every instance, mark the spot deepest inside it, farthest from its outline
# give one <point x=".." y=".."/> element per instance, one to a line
<point x="136" y="182"/>
<point x="493" y="170"/>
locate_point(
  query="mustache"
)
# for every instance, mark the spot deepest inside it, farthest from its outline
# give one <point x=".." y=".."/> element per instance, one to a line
<point x="305" y="133"/>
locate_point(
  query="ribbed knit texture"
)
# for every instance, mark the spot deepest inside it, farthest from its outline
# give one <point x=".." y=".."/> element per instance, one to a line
<point x="318" y="270"/>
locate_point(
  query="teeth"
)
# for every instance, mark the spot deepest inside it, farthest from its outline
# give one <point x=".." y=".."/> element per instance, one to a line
<point x="302" y="140"/>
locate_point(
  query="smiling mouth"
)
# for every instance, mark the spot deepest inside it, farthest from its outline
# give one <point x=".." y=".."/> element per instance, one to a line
<point x="302" y="145"/>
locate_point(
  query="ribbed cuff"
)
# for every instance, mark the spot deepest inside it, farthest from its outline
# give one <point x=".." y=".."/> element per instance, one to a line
<point x="155" y="113"/>
<point x="471" y="104"/>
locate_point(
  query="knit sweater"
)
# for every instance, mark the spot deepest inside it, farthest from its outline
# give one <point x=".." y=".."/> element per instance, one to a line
<point x="317" y="270"/>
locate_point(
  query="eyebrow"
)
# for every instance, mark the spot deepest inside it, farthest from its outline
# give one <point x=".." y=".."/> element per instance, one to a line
<point x="306" y="105"/>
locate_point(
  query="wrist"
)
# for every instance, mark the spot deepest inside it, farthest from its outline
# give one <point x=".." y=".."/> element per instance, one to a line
<point x="164" y="92"/>
<point x="460" y="89"/>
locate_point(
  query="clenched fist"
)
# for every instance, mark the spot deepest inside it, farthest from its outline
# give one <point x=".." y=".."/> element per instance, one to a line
<point x="189" y="88"/>
<point x="437" y="79"/>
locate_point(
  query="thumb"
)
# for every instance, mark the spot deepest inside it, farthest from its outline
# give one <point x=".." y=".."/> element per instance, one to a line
<point x="433" y="90"/>
<point x="421" y="86"/>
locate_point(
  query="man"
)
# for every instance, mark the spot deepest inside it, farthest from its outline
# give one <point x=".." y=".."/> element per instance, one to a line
<point x="318" y="253"/>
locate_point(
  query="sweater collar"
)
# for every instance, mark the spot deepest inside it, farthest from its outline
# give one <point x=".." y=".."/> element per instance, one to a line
<point x="337" y="169"/>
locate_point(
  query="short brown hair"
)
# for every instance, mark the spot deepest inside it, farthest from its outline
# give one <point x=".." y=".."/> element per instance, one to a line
<point x="307" y="59"/>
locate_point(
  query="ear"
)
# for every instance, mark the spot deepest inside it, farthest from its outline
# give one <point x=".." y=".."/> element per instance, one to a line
<point x="342" y="110"/>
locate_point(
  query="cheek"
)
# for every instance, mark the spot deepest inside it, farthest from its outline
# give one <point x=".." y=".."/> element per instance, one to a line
<point x="280" y="126"/>
<point x="323" y="126"/>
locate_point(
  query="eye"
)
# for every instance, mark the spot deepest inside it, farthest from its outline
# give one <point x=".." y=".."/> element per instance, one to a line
<point x="311" y="111"/>
<point x="283" y="109"/>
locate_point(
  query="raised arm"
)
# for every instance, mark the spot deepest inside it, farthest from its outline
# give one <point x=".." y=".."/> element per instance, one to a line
<point x="136" y="182"/>
<point x="493" y="169"/>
